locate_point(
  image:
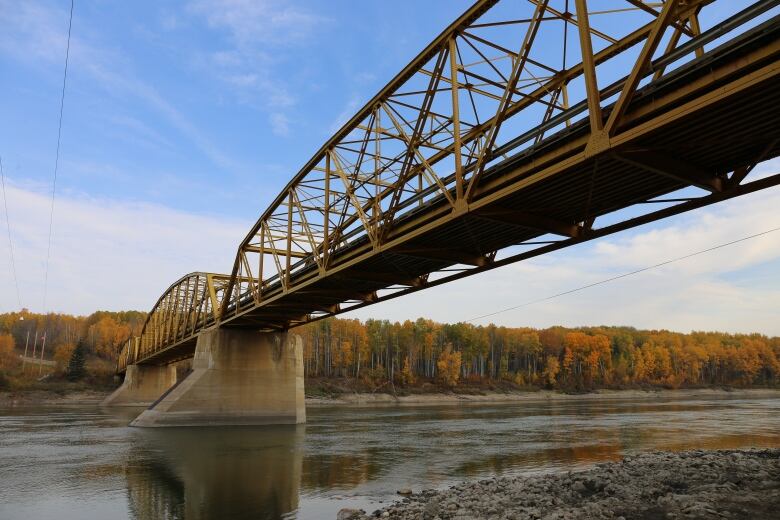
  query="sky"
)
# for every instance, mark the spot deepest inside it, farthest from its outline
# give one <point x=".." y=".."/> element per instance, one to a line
<point x="183" y="120"/>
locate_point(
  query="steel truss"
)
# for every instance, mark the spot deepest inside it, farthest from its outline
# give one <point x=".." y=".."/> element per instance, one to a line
<point x="506" y="138"/>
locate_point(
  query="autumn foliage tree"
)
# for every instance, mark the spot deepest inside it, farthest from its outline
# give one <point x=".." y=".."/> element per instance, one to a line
<point x="378" y="352"/>
<point x="449" y="365"/>
<point x="559" y="358"/>
<point x="62" y="355"/>
<point x="8" y="357"/>
<point x="551" y="369"/>
<point x="102" y="334"/>
<point x="407" y="376"/>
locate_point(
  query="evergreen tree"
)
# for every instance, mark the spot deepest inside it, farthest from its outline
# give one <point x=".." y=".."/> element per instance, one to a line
<point x="77" y="363"/>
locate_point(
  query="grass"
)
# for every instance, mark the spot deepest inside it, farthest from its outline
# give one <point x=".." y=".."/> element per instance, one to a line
<point x="18" y="379"/>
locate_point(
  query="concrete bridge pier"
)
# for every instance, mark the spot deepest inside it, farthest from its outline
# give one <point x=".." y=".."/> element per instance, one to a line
<point x="143" y="385"/>
<point x="239" y="377"/>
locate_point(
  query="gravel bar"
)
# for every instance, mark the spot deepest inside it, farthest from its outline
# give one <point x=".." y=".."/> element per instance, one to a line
<point x="739" y="484"/>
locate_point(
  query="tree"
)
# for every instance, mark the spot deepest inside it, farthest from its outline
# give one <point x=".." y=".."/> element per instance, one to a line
<point x="407" y="376"/>
<point x="62" y="355"/>
<point x="108" y="334"/>
<point x="380" y="351"/>
<point x="8" y="357"/>
<point x="448" y="367"/>
<point x="551" y="369"/>
<point x="77" y="364"/>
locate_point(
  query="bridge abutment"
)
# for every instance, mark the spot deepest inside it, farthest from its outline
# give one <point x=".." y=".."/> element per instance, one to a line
<point x="143" y="385"/>
<point x="238" y="377"/>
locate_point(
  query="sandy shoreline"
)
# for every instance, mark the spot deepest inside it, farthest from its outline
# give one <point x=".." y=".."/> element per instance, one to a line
<point x="695" y="484"/>
<point x="540" y="395"/>
<point x="92" y="397"/>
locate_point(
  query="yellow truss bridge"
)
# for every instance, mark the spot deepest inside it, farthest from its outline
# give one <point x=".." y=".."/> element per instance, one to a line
<point x="523" y="128"/>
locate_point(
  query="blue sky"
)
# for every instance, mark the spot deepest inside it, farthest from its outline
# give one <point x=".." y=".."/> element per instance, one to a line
<point x="201" y="106"/>
<point x="184" y="119"/>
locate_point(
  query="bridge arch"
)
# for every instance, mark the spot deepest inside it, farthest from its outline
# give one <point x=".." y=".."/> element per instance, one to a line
<point x="189" y="305"/>
<point x="465" y="162"/>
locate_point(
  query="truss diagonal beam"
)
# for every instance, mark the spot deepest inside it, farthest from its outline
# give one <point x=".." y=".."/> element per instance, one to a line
<point x="488" y="141"/>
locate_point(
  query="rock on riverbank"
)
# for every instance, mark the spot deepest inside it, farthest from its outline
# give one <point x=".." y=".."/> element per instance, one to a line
<point x="739" y="484"/>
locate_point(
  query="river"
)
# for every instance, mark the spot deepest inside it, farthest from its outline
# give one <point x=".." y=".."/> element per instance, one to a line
<point x="81" y="462"/>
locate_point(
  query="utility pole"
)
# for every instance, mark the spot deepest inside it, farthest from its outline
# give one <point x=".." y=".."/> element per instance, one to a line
<point x="35" y="343"/>
<point x="43" y="347"/>
<point x="26" y="343"/>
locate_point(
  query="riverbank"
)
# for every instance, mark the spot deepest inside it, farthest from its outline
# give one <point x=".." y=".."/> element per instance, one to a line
<point x="51" y="397"/>
<point x="80" y="395"/>
<point x="691" y="485"/>
<point x="537" y="395"/>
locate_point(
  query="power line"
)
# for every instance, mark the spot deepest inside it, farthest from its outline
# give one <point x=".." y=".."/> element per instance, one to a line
<point x="10" y="242"/>
<point x="624" y="275"/>
<point x="57" y="161"/>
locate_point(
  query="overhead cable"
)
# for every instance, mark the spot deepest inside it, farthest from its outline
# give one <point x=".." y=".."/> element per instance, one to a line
<point x="10" y="240"/>
<point x="624" y="275"/>
<point x="56" y="162"/>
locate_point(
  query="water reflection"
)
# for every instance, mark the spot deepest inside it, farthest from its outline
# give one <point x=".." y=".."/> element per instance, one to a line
<point x="85" y="463"/>
<point x="339" y="471"/>
<point x="544" y="458"/>
<point x="154" y="491"/>
<point x="216" y="473"/>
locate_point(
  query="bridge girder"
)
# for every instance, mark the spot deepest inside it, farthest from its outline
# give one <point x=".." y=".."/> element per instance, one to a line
<point x="488" y="140"/>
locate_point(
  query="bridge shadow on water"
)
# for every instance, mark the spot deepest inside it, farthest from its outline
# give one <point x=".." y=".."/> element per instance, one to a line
<point x="201" y="473"/>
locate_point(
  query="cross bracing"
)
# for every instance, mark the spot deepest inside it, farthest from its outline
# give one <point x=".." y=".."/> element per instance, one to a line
<point x="516" y="132"/>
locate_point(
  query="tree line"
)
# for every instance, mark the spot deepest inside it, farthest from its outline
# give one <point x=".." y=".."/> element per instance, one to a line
<point x="100" y="335"/>
<point x="415" y="352"/>
<point x="555" y="357"/>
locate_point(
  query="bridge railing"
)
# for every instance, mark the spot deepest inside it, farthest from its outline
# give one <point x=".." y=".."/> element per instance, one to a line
<point x="488" y="87"/>
<point x="128" y="354"/>
<point x="500" y="82"/>
<point x="188" y="306"/>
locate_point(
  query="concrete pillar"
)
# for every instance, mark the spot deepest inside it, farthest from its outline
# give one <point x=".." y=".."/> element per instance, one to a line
<point x="143" y="385"/>
<point x="238" y="377"/>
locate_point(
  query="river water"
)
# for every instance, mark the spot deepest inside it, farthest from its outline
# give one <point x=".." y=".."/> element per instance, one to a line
<point x="84" y="463"/>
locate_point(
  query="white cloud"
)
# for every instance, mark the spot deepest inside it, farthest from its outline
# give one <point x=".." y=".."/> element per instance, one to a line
<point x="698" y="231"/>
<point x="139" y="132"/>
<point x="37" y="35"/>
<point x="248" y="84"/>
<point x="349" y="110"/>
<point x="108" y="254"/>
<point x="265" y="21"/>
<point x="280" y="124"/>
<point x="256" y="30"/>
<point x="119" y="255"/>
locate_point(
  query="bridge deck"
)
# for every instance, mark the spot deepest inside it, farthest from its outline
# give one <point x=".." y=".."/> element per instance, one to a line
<point x="750" y="116"/>
<point x="692" y="127"/>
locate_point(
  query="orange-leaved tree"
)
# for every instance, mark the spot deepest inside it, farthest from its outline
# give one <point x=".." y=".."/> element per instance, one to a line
<point x="448" y="366"/>
<point x="407" y="376"/>
<point x="62" y="355"/>
<point x="8" y="357"/>
<point x="551" y="369"/>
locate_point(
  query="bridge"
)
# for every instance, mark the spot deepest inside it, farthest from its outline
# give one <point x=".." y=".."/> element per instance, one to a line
<point x="522" y="129"/>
